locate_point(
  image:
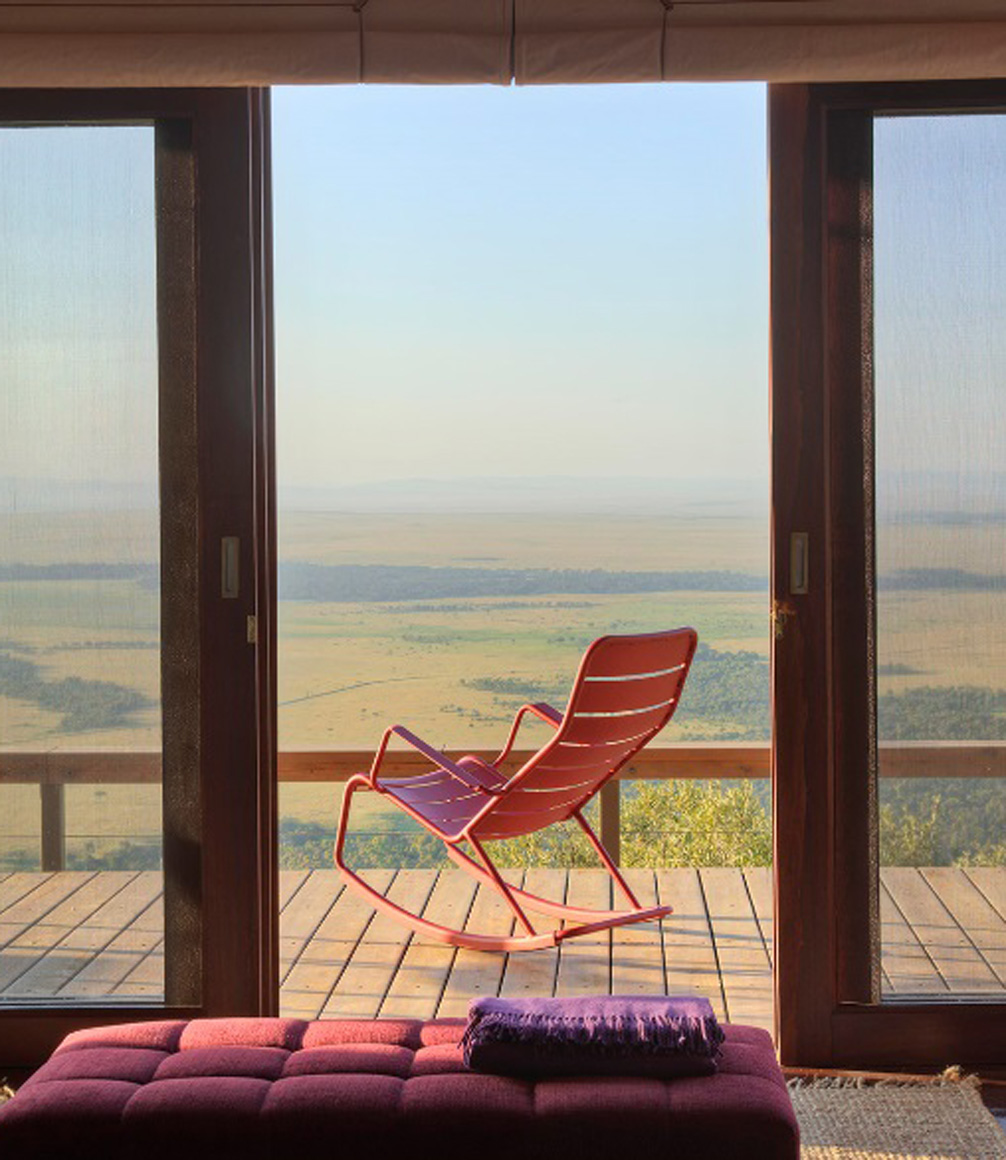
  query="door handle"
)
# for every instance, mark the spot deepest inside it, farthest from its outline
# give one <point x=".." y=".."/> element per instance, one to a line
<point x="230" y="572"/>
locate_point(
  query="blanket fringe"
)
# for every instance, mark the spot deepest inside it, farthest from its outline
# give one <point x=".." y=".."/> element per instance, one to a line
<point x="603" y="1035"/>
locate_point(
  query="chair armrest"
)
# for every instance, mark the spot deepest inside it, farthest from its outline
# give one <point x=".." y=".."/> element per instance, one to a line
<point x="539" y="709"/>
<point x="546" y="713"/>
<point x="440" y="760"/>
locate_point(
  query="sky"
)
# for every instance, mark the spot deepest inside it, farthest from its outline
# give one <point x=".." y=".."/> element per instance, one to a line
<point x="940" y="300"/>
<point x="78" y="298"/>
<point x="521" y="282"/>
<point x="505" y="283"/>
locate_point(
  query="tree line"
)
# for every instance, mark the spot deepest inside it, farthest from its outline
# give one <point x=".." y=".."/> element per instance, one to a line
<point x="378" y="583"/>
<point x="83" y="704"/>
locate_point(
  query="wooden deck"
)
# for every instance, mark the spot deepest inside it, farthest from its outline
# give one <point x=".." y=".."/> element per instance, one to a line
<point x="339" y="958"/>
<point x="79" y="935"/>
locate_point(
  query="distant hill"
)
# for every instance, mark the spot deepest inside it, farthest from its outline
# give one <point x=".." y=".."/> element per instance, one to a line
<point x="335" y="583"/>
<point x="969" y="498"/>
<point x="956" y="579"/>
<point x="149" y="574"/>
<point x="349" y="583"/>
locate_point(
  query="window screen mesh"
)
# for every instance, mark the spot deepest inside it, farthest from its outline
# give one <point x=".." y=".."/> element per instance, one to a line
<point x="79" y="565"/>
<point x="940" y="284"/>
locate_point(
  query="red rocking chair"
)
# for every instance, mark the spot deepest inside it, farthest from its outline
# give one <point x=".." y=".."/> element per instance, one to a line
<point x="625" y="692"/>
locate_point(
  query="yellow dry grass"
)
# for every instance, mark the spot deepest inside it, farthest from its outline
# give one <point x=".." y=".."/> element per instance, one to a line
<point x="347" y="670"/>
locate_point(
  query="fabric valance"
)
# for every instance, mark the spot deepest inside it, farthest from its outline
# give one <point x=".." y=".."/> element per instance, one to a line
<point x="243" y="42"/>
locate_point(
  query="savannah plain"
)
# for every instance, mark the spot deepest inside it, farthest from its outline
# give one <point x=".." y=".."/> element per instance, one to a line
<point x="349" y="668"/>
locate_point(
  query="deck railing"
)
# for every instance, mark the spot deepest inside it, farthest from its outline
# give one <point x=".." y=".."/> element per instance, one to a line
<point x="53" y="771"/>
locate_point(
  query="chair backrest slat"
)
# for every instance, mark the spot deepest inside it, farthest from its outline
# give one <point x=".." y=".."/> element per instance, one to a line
<point x="608" y="695"/>
<point x="562" y="776"/>
<point x="613" y="729"/>
<point x="624" y="657"/>
<point x="625" y="692"/>
<point x="514" y="823"/>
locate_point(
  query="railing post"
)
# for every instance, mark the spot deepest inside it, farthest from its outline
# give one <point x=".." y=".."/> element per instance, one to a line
<point x="611" y="819"/>
<point x="53" y="826"/>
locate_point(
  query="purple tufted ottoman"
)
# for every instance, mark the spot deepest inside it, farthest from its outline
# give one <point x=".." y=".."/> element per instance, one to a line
<point x="271" y="1088"/>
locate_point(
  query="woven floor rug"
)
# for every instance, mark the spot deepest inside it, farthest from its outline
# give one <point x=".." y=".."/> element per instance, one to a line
<point x="895" y="1121"/>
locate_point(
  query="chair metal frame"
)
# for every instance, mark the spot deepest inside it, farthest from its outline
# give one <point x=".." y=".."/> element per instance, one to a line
<point x="463" y="801"/>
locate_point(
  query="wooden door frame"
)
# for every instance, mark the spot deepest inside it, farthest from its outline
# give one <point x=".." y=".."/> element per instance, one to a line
<point x="828" y="1009"/>
<point x="220" y="832"/>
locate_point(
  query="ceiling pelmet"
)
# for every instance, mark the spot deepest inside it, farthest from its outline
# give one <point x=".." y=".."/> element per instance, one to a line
<point x="244" y="42"/>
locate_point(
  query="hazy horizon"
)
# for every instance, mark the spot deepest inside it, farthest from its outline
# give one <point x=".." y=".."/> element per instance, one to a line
<point x="902" y="492"/>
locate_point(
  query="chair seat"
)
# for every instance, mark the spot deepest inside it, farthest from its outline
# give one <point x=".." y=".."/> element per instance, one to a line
<point x="440" y="799"/>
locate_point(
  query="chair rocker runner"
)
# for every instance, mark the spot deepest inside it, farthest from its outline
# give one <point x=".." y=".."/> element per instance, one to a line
<point x="626" y="690"/>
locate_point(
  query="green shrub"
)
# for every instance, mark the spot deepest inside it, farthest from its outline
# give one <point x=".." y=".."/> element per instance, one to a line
<point x="664" y="823"/>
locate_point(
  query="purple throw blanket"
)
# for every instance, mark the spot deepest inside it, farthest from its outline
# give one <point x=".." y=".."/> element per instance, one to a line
<point x="593" y="1035"/>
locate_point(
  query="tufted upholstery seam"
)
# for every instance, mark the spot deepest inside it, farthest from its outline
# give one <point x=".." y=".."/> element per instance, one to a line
<point x="263" y="1089"/>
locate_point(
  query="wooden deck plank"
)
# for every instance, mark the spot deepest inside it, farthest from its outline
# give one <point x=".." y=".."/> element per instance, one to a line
<point x="32" y="907"/>
<point x="740" y="951"/>
<point x="475" y="973"/>
<point x="909" y="969"/>
<point x="104" y="940"/>
<point x="15" y="886"/>
<point x="317" y="968"/>
<point x="533" y="973"/>
<point x="689" y="952"/>
<point x="952" y="953"/>
<point x="370" y="970"/>
<point x="637" y="951"/>
<point x="759" y="884"/>
<point x="146" y="979"/>
<point x="426" y="965"/>
<point x="981" y="923"/>
<point x="585" y="962"/>
<point x="290" y="881"/>
<point x="84" y="943"/>
<point x="302" y="915"/>
<point x="123" y="954"/>
<point x="76" y="905"/>
<point x="991" y="882"/>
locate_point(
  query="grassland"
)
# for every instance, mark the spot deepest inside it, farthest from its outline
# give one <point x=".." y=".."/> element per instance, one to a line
<point x="346" y="669"/>
<point x="349" y="668"/>
<point x="712" y="538"/>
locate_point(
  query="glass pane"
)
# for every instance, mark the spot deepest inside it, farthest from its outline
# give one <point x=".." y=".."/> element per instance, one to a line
<point x="522" y="400"/>
<point x="940" y="185"/>
<point x="80" y="720"/>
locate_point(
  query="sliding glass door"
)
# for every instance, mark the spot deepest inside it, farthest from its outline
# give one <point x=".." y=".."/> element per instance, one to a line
<point x="940" y="454"/>
<point x="889" y="274"/>
<point x="80" y="566"/>
<point x="134" y="763"/>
